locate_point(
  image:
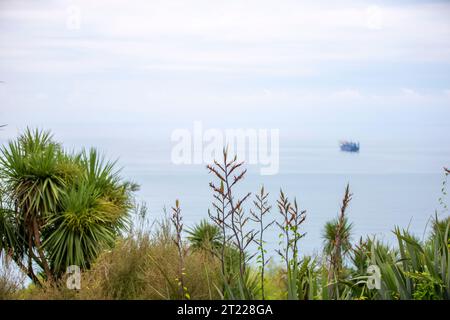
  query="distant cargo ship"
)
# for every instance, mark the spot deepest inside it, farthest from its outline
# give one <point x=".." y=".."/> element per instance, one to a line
<point x="349" y="146"/>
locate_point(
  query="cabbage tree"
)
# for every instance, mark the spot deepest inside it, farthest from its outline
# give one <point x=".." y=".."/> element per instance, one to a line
<point x="58" y="208"/>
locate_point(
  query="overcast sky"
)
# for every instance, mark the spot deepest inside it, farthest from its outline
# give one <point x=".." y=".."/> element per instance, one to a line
<point x="314" y="68"/>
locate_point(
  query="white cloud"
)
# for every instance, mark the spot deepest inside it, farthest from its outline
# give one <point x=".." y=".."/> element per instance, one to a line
<point x="375" y="17"/>
<point x="411" y="94"/>
<point x="348" y="94"/>
<point x="156" y="57"/>
<point x="293" y="37"/>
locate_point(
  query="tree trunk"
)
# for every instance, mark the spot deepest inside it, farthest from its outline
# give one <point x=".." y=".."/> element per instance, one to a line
<point x="38" y="244"/>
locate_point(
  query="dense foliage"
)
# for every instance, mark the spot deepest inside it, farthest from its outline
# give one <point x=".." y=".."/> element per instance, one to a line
<point x="58" y="209"/>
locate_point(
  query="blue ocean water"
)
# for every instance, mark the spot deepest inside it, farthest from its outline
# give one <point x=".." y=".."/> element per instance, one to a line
<point x="391" y="186"/>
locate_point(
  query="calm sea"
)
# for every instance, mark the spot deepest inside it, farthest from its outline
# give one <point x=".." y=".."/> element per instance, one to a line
<point x="391" y="186"/>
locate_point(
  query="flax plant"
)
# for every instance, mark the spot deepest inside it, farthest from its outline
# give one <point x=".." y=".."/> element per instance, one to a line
<point x="262" y="209"/>
<point x="337" y="244"/>
<point x="292" y="219"/>
<point x="177" y="222"/>
<point x="231" y="217"/>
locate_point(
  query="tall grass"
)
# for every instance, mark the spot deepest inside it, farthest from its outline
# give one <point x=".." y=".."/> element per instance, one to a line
<point x="11" y="280"/>
<point x="142" y="266"/>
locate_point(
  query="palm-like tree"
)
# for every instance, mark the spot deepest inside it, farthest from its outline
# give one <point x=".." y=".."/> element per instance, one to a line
<point x="205" y="236"/>
<point x="337" y="243"/>
<point x="58" y="208"/>
<point x="337" y="236"/>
